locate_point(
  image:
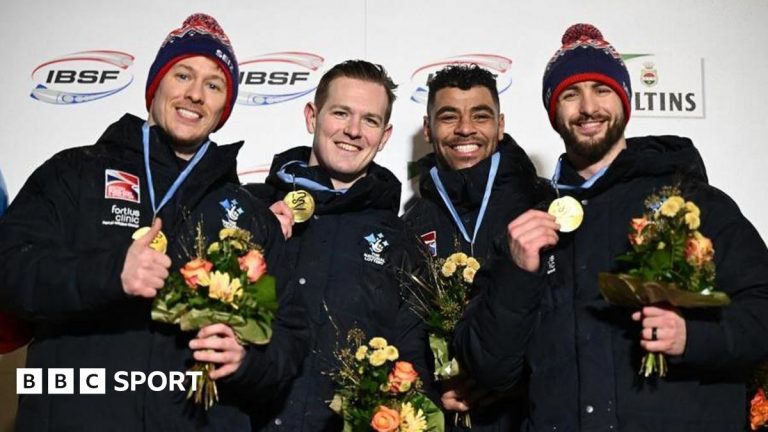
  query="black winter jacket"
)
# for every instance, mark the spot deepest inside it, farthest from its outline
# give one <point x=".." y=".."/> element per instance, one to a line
<point x="583" y="354"/>
<point x="345" y="283"/>
<point x="63" y="243"/>
<point x="515" y="190"/>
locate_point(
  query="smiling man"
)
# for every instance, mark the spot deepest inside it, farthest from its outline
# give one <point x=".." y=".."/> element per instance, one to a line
<point x="477" y="180"/>
<point x="70" y="266"/>
<point x="349" y="251"/>
<point x="547" y="316"/>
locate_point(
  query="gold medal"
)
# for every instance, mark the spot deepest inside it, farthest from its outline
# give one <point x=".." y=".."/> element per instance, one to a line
<point x="567" y="212"/>
<point x="159" y="243"/>
<point x="302" y="205"/>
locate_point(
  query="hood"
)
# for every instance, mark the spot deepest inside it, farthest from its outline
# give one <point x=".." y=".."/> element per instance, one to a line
<point x="650" y="156"/>
<point x="219" y="163"/>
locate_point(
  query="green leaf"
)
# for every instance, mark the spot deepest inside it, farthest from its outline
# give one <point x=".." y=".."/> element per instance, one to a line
<point x="628" y="291"/>
<point x="433" y="414"/>
<point x="264" y="293"/>
<point x="196" y="319"/>
<point x="254" y="331"/>
<point x="445" y="367"/>
<point x="161" y="312"/>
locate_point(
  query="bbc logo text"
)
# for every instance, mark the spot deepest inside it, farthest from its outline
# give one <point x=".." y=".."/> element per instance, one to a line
<point x="94" y="381"/>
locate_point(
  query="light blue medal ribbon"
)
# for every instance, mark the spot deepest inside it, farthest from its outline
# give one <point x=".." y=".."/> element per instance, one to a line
<point x="304" y="182"/>
<point x="486" y="197"/>
<point x="586" y="185"/>
<point x="179" y="180"/>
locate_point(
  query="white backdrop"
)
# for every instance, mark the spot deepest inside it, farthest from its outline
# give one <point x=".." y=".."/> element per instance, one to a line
<point x="723" y="42"/>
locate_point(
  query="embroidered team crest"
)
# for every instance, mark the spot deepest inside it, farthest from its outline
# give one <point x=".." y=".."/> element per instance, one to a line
<point x="233" y="212"/>
<point x="430" y="240"/>
<point x="121" y="185"/>
<point x="377" y="244"/>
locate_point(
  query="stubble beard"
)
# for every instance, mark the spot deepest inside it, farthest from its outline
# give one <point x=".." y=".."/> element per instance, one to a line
<point x="594" y="149"/>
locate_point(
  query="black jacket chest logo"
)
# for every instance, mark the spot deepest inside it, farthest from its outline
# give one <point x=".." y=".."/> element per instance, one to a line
<point x="121" y="185"/>
<point x="376" y="246"/>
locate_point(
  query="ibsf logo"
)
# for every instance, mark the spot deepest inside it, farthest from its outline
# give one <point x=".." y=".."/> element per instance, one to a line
<point x="278" y="77"/>
<point x="496" y="64"/>
<point x="82" y="77"/>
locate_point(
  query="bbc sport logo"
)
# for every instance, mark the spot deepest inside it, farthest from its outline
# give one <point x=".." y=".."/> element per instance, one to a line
<point x="30" y="381"/>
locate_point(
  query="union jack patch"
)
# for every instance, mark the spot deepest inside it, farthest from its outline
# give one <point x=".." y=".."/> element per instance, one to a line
<point x="121" y="185"/>
<point x="430" y="239"/>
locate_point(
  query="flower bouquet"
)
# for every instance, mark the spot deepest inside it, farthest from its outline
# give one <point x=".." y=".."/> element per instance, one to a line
<point x="441" y="303"/>
<point x="226" y="282"/>
<point x="670" y="262"/>
<point x="377" y="392"/>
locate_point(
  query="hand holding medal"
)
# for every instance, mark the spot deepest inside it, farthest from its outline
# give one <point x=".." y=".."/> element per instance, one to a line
<point x="146" y="267"/>
<point x="158" y="243"/>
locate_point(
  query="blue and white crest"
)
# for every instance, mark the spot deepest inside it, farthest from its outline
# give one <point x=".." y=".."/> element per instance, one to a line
<point x="233" y="212"/>
<point x="377" y="244"/>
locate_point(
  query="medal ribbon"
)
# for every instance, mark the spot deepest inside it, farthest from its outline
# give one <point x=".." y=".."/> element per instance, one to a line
<point x="586" y="185"/>
<point x="304" y="182"/>
<point x="179" y="180"/>
<point x="486" y="197"/>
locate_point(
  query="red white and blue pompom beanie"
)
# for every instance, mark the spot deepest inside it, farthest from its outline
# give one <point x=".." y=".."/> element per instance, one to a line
<point x="200" y="35"/>
<point x="585" y="56"/>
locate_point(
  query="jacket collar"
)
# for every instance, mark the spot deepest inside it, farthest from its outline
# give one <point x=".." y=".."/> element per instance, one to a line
<point x="218" y="164"/>
<point x="649" y="156"/>
<point x="379" y="189"/>
<point x="465" y="187"/>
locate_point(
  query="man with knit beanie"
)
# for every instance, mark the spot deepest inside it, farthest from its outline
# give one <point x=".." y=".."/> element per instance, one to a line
<point x="545" y="314"/>
<point x="70" y="267"/>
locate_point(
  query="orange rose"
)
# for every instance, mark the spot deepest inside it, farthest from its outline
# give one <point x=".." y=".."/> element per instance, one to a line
<point x="638" y="225"/>
<point x="699" y="250"/>
<point x="385" y="419"/>
<point x="402" y="376"/>
<point x="758" y="412"/>
<point x="253" y="262"/>
<point x="196" y="271"/>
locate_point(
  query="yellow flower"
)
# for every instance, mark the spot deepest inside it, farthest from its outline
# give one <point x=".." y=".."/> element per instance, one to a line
<point x="671" y="206"/>
<point x="361" y="352"/>
<point x="226" y="233"/>
<point x="690" y="207"/>
<point x="449" y="268"/>
<point x="473" y="264"/>
<point x="661" y="245"/>
<point x="469" y="274"/>
<point x="459" y="258"/>
<point x="412" y="420"/>
<point x="377" y="343"/>
<point x="692" y="220"/>
<point x="377" y="358"/>
<point x="224" y="289"/>
<point x="391" y="353"/>
<point x="214" y="247"/>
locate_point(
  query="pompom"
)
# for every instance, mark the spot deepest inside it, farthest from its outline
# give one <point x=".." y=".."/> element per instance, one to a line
<point x="578" y="32"/>
<point x="205" y="22"/>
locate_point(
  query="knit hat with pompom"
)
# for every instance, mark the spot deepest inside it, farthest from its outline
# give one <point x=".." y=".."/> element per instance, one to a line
<point x="585" y="56"/>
